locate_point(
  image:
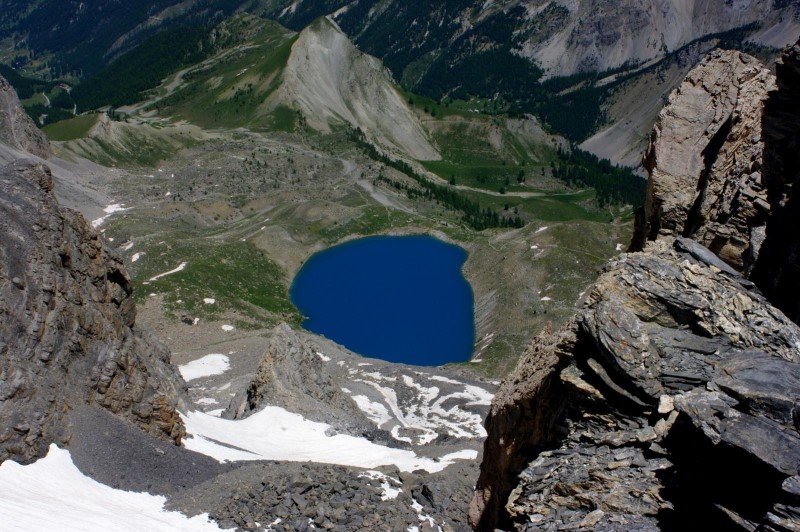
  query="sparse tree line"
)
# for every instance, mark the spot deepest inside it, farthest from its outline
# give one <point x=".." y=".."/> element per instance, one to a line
<point x="614" y="185"/>
<point x="474" y="215"/>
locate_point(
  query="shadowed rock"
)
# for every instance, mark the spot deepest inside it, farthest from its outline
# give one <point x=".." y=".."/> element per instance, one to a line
<point x="777" y="269"/>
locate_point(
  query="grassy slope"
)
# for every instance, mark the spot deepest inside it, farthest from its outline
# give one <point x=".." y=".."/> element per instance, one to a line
<point x="71" y="129"/>
<point x="229" y="90"/>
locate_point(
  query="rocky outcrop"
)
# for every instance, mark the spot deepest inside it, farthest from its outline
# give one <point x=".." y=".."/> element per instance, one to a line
<point x="67" y="326"/>
<point x="722" y="164"/>
<point x="673" y="370"/>
<point x="292" y="376"/>
<point x="671" y="399"/>
<point x="16" y="127"/>
<point x="705" y="160"/>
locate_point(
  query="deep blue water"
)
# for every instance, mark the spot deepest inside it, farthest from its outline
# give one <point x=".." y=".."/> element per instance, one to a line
<point x="398" y="298"/>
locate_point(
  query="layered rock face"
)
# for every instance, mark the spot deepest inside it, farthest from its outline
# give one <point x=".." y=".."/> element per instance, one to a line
<point x="16" y="127"/>
<point x="706" y="158"/>
<point x="671" y="399"/>
<point x="67" y="326"/>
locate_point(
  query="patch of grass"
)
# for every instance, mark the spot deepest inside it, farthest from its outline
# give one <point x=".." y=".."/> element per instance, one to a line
<point x="72" y="128"/>
<point x="236" y="274"/>
<point x="36" y="99"/>
<point x="283" y="118"/>
<point x="558" y="207"/>
<point x="489" y="177"/>
<point x="373" y="220"/>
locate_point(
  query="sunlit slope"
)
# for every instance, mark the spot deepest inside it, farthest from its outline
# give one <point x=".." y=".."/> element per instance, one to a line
<point x="330" y="81"/>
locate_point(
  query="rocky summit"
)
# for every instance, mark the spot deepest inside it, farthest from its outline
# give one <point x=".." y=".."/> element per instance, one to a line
<point x="674" y="389"/>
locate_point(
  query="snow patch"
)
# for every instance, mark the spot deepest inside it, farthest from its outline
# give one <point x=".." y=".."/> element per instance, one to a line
<point x="428" y="414"/>
<point x="207" y="401"/>
<point x="276" y="434"/>
<point x="136" y="257"/>
<point x="423" y="517"/>
<point x="376" y="412"/>
<point x="213" y="364"/>
<point x="227" y="328"/>
<point x="440" y="378"/>
<point x="179" y="268"/>
<point x="209" y="300"/>
<point x="390" y="492"/>
<point x="52" y="494"/>
<point x="324" y="357"/>
<point x="111" y="209"/>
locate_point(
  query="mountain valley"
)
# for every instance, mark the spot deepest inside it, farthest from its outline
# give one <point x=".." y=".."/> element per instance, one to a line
<point x="167" y="169"/>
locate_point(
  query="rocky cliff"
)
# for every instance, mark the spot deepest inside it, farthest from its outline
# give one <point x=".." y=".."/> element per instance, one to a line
<point x="722" y="161"/>
<point x="67" y="326"/>
<point x="671" y="398"/>
<point x="16" y="128"/>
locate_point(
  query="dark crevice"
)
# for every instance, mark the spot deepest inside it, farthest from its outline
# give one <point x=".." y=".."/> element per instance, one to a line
<point x="694" y="219"/>
<point x="708" y="485"/>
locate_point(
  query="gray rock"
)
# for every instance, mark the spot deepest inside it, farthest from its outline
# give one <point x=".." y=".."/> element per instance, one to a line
<point x="16" y="127"/>
<point x="582" y="425"/>
<point x="68" y="332"/>
<point x="291" y="375"/>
